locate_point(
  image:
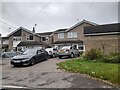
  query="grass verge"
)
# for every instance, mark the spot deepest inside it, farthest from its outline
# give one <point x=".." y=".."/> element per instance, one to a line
<point x="105" y="71"/>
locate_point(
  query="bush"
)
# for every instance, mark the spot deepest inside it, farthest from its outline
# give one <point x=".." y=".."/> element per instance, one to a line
<point x="112" y="58"/>
<point x="94" y="54"/>
<point x="99" y="56"/>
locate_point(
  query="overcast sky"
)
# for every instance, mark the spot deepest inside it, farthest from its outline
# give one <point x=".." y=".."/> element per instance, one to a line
<point x="50" y="16"/>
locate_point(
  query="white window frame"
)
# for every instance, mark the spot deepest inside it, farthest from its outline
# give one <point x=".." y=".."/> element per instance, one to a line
<point x="60" y="35"/>
<point x="16" y="39"/>
<point x="72" y="34"/>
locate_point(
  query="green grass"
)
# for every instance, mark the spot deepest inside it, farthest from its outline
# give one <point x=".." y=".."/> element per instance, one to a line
<point x="105" y="71"/>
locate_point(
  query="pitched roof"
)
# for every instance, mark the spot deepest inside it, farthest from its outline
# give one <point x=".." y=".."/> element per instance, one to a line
<point x="32" y="43"/>
<point x="60" y="30"/>
<point x="29" y="43"/>
<point x="21" y="28"/>
<point x="102" y="29"/>
<point x="5" y="38"/>
<point x="83" y="21"/>
<point x="45" y="33"/>
<point x="68" y="42"/>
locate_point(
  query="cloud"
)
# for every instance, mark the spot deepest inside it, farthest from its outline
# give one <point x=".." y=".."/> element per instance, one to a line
<point x="50" y="16"/>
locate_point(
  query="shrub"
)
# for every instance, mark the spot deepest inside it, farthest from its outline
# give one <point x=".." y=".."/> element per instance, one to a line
<point x="94" y="54"/>
<point x="112" y="58"/>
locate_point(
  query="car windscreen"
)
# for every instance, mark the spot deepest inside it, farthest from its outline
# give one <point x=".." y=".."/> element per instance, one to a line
<point x="67" y="47"/>
<point x="30" y="51"/>
<point x="49" y="49"/>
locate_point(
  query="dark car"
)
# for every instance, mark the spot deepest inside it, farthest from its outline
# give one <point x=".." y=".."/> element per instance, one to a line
<point x="30" y="57"/>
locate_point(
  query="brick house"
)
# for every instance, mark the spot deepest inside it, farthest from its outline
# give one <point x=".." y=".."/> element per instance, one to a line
<point x="72" y="36"/>
<point x="5" y="43"/>
<point x="83" y="35"/>
<point x="105" y="37"/>
<point x="23" y="35"/>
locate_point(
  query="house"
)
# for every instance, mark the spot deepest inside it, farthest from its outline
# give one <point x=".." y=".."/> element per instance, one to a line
<point x="5" y="43"/>
<point x="105" y="37"/>
<point x="22" y="35"/>
<point x="72" y="36"/>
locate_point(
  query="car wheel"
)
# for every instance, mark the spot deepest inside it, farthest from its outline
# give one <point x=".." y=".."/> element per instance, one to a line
<point x="60" y="57"/>
<point x="53" y="55"/>
<point x="72" y="55"/>
<point x="32" y="62"/>
<point x="46" y="57"/>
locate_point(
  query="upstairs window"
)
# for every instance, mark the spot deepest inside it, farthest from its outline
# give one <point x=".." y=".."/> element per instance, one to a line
<point x="44" y="38"/>
<point x="61" y="35"/>
<point x="30" y="37"/>
<point x="16" y="38"/>
<point x="72" y="34"/>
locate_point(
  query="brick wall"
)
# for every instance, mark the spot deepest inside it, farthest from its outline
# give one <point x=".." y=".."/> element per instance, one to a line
<point x="107" y="43"/>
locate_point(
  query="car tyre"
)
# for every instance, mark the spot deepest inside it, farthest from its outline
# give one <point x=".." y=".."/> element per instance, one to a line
<point x="60" y="57"/>
<point x="46" y="57"/>
<point x="53" y="55"/>
<point x="32" y="62"/>
<point x="72" y="55"/>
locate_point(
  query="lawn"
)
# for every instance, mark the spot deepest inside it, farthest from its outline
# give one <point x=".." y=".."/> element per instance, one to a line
<point x="105" y="71"/>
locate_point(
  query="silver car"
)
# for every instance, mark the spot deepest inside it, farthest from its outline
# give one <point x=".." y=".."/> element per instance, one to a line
<point x="52" y="52"/>
<point x="68" y="51"/>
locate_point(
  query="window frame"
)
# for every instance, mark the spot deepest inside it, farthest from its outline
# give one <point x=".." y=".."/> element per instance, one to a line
<point x="61" y="35"/>
<point x="72" y="34"/>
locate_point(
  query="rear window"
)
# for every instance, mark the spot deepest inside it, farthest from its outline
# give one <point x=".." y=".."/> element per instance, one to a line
<point x="67" y="47"/>
<point x="54" y="49"/>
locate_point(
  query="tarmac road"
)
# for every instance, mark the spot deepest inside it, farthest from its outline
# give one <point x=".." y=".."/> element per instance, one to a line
<point x="45" y="75"/>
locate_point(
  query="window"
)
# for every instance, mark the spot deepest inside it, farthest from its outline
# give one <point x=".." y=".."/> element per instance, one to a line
<point x="30" y="37"/>
<point x="61" y="35"/>
<point x="44" y="38"/>
<point x="72" y="34"/>
<point x="16" y="38"/>
<point x="81" y="47"/>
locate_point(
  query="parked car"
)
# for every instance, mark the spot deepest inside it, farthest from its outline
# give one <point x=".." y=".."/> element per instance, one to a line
<point x="30" y="57"/>
<point x="52" y="52"/>
<point x="9" y="54"/>
<point x="1" y="53"/>
<point x="68" y="51"/>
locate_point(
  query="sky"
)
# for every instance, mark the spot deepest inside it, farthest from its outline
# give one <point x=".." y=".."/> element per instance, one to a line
<point x="51" y="16"/>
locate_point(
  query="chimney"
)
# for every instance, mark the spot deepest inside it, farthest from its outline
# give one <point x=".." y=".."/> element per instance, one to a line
<point x="33" y="30"/>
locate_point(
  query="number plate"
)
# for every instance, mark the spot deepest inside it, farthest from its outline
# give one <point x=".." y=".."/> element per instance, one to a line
<point x="61" y="50"/>
<point x="16" y="61"/>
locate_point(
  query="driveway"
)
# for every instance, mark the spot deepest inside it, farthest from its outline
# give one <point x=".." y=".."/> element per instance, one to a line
<point x="46" y="75"/>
